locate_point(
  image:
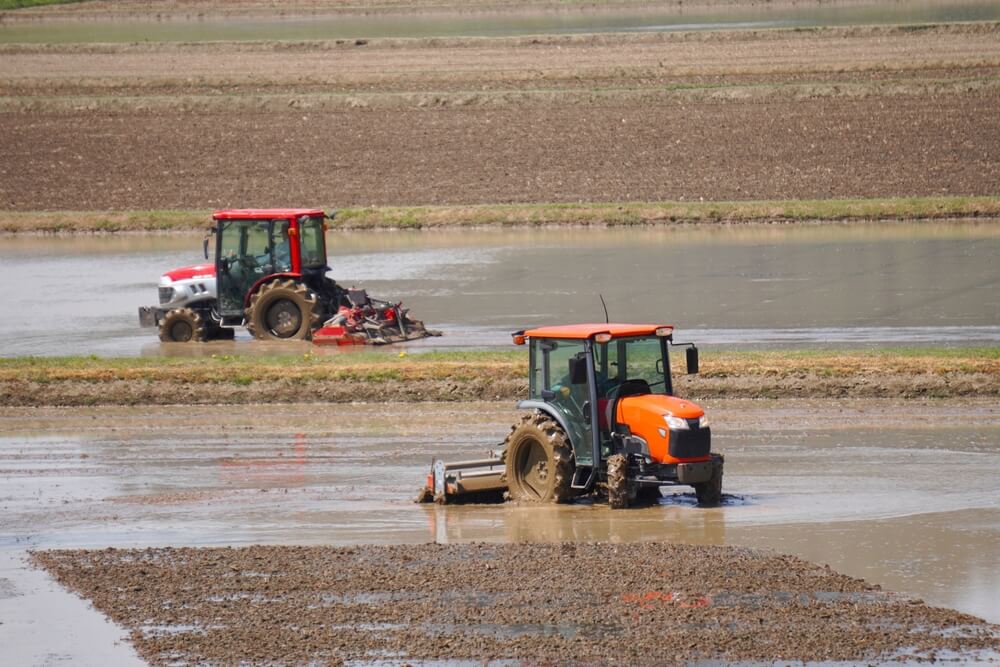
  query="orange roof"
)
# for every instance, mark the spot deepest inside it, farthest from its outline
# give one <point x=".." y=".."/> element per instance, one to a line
<point x="588" y="330"/>
<point x="266" y="213"/>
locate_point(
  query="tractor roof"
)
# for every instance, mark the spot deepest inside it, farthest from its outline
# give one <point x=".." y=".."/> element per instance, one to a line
<point x="265" y="213"/>
<point x="587" y="330"/>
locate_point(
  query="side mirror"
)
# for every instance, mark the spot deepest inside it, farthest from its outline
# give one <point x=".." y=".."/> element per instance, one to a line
<point x="204" y="243"/>
<point x="692" y="360"/>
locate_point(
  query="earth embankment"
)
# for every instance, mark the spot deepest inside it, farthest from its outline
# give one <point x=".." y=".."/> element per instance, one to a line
<point x="223" y="379"/>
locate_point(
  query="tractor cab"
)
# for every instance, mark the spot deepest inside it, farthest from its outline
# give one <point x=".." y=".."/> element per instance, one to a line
<point x="582" y="374"/>
<point x="604" y="419"/>
<point x="254" y="246"/>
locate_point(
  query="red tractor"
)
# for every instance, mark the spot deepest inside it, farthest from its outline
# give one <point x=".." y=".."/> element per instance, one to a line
<point x="270" y="275"/>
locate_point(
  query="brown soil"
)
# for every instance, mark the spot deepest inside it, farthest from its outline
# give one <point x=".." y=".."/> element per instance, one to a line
<point x="811" y="149"/>
<point x="730" y="116"/>
<point x="187" y="9"/>
<point x="599" y="603"/>
<point x="741" y="376"/>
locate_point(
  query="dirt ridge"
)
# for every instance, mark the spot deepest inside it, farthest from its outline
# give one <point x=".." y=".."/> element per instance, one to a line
<point x="182" y="391"/>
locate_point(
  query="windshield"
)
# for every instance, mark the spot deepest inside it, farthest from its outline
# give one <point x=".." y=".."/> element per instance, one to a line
<point x="641" y="359"/>
<point x="313" y="246"/>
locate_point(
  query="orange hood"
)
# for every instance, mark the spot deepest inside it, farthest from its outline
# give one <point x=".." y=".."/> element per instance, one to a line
<point x="644" y="417"/>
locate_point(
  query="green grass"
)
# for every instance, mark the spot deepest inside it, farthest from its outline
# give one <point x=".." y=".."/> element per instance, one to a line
<point x="980" y="352"/>
<point x="20" y="4"/>
<point x="643" y="213"/>
<point x="241" y="364"/>
<point x="622" y="214"/>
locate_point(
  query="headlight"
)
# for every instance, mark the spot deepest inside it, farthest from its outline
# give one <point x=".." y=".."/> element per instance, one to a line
<point x="676" y="423"/>
<point x="703" y="421"/>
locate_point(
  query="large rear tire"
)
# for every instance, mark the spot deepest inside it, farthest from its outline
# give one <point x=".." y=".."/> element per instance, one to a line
<point x="617" y="481"/>
<point x="710" y="493"/>
<point x="283" y="310"/>
<point x="183" y="325"/>
<point x="539" y="461"/>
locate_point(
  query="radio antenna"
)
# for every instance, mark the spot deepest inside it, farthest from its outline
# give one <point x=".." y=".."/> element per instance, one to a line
<point x="607" y="320"/>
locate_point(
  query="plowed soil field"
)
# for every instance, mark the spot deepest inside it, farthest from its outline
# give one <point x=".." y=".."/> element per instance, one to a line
<point x="835" y="113"/>
<point x="634" y="604"/>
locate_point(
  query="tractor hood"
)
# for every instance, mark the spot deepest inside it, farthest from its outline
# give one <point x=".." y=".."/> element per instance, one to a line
<point x="646" y="416"/>
<point x="202" y="271"/>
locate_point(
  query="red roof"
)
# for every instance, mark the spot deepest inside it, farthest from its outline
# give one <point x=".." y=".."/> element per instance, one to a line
<point x="265" y="213"/>
<point x="587" y="330"/>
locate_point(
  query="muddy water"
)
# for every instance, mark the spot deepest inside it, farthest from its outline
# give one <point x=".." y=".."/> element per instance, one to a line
<point x="902" y="494"/>
<point x="832" y="285"/>
<point x="470" y="24"/>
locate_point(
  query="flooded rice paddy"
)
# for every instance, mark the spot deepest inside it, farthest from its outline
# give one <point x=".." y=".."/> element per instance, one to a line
<point x="565" y="20"/>
<point x="901" y="494"/>
<point x="759" y="285"/>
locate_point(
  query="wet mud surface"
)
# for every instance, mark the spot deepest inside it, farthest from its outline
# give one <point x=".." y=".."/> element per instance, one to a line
<point x="899" y="493"/>
<point x="745" y="286"/>
<point x="576" y="603"/>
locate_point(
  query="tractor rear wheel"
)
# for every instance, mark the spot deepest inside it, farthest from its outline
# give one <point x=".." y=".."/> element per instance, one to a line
<point x="283" y="310"/>
<point x="539" y="461"/>
<point x="182" y="325"/>
<point x="617" y="481"/>
<point x="710" y="493"/>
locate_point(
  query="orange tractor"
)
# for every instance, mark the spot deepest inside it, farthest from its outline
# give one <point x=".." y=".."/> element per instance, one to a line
<point x="603" y="419"/>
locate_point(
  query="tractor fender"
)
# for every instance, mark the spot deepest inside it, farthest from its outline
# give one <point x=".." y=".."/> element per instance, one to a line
<point x="266" y="279"/>
<point x="552" y="412"/>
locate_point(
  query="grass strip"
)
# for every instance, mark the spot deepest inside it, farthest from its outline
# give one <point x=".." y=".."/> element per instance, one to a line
<point x="462" y="376"/>
<point x="21" y="4"/>
<point x="528" y="215"/>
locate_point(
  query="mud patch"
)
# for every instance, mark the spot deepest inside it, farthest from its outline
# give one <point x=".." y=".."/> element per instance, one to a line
<point x="633" y="603"/>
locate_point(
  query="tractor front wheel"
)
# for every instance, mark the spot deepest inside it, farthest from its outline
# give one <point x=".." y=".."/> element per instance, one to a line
<point x="710" y="493"/>
<point x="182" y="325"/>
<point x="539" y="461"/>
<point x="617" y="482"/>
<point x="283" y="310"/>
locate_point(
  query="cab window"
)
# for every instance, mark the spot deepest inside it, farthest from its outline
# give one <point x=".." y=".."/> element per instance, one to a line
<point x="312" y="242"/>
<point x="630" y="359"/>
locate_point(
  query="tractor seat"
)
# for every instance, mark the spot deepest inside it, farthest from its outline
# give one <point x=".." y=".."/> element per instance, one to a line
<point x="633" y="388"/>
